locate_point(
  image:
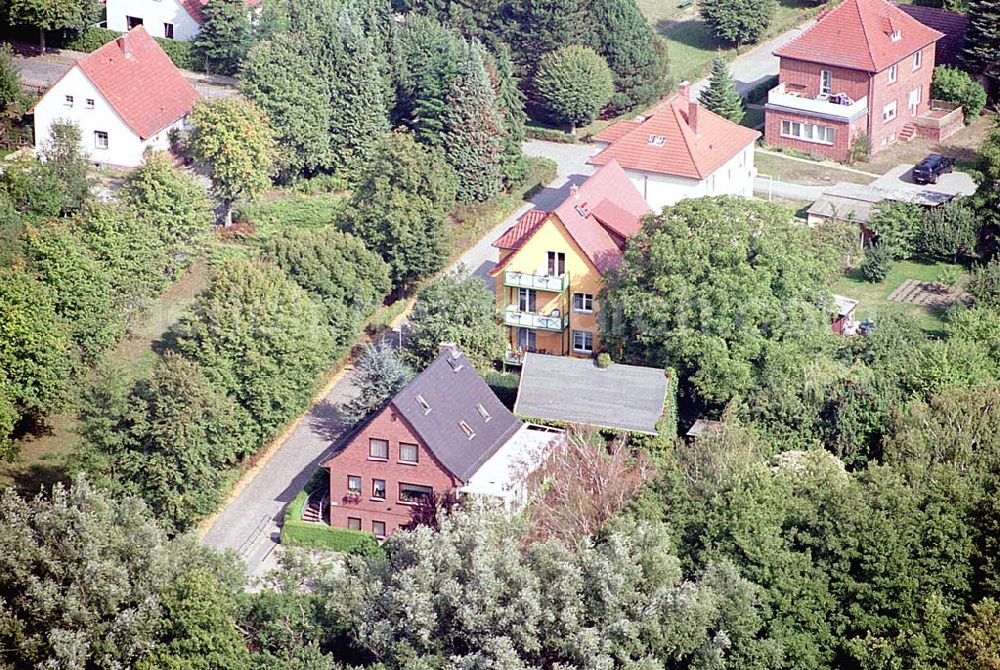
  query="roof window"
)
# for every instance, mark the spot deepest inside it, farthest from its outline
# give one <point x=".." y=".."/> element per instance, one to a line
<point x="483" y="412"/>
<point x="455" y="363"/>
<point x="424" y="405"/>
<point x="467" y="429"/>
<point x="581" y="210"/>
<point x="656" y="140"/>
<point x="895" y="36"/>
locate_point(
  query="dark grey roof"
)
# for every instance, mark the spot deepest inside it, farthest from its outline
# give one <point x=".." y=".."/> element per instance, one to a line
<point x="452" y="389"/>
<point x="952" y="24"/>
<point x="575" y="390"/>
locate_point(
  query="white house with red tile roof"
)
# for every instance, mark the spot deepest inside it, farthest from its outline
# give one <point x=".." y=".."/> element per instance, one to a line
<point x="173" y="19"/>
<point x="680" y="151"/>
<point x="125" y="97"/>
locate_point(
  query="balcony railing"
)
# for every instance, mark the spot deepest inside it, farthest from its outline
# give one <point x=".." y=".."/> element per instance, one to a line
<point x="549" y="322"/>
<point x="550" y="283"/>
<point x="940" y="115"/>
<point x="823" y="106"/>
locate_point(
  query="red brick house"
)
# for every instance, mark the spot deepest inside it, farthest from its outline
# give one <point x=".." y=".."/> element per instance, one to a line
<point x="446" y="431"/>
<point x="864" y="68"/>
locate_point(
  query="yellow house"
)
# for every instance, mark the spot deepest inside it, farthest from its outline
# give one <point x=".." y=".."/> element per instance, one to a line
<point x="552" y="265"/>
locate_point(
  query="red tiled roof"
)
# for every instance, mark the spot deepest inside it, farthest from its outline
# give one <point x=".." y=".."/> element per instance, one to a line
<point x="665" y="143"/>
<point x="604" y="207"/>
<point x="616" y="131"/>
<point x="610" y="192"/>
<point x="140" y="82"/>
<point x="194" y="7"/>
<point x="951" y="24"/>
<point x="517" y="234"/>
<point x="857" y="34"/>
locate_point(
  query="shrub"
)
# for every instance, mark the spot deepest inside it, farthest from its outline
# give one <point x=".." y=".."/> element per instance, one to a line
<point x="604" y="360"/>
<point x="90" y="39"/>
<point x="297" y="211"/>
<point x="298" y="533"/>
<point x="898" y="226"/>
<point x="956" y="86"/>
<point x="985" y="284"/>
<point x="949" y="230"/>
<point x="181" y="53"/>
<point x="861" y="148"/>
<point x="737" y="22"/>
<point x="573" y="84"/>
<point x="877" y="264"/>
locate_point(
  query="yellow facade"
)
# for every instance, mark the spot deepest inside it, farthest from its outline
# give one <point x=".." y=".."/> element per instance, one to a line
<point x="532" y="261"/>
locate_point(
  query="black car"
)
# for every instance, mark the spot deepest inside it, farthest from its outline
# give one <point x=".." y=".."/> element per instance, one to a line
<point x="929" y="169"/>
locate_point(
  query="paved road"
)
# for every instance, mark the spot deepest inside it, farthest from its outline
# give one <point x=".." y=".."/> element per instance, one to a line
<point x="757" y="65"/>
<point x="249" y="523"/>
<point x="42" y="71"/>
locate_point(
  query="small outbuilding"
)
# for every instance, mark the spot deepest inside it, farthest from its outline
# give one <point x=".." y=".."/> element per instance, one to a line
<point x="843" y="321"/>
<point x="576" y="390"/>
<point x="703" y="427"/>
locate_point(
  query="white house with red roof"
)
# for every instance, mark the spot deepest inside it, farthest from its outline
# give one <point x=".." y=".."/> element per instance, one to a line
<point x="864" y="69"/>
<point x="125" y="97"/>
<point x="680" y="151"/>
<point x="172" y="19"/>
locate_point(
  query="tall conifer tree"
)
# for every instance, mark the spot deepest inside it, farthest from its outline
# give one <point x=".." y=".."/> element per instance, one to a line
<point x="982" y="38"/>
<point x="720" y="96"/>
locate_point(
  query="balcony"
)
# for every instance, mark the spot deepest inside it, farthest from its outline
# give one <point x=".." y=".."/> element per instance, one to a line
<point x="940" y="114"/>
<point x="554" y="323"/>
<point x="837" y="107"/>
<point x="549" y="283"/>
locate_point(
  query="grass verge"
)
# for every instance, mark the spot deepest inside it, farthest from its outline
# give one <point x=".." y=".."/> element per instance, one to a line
<point x="807" y="173"/>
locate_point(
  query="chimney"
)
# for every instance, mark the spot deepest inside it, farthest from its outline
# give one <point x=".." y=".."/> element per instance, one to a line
<point x="123" y="43"/>
<point x="684" y="90"/>
<point x="693" y="116"/>
<point x="574" y="190"/>
<point x="449" y="348"/>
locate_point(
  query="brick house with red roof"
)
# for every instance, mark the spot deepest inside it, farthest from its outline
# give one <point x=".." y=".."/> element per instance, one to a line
<point x="864" y="68"/>
<point x="170" y="19"/>
<point x="126" y="97"/>
<point x="681" y="150"/>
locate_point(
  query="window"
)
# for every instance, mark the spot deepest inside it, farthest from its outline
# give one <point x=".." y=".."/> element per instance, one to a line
<point x="378" y="489"/>
<point x="889" y="112"/>
<point x="527" y="300"/>
<point x="483" y="412"/>
<point x="353" y="523"/>
<point x="168" y="31"/>
<point x="133" y="21"/>
<point x="378" y="529"/>
<point x="354" y="484"/>
<point x="557" y="263"/>
<point x="914" y="100"/>
<point x="100" y="139"/>
<point x="408" y="452"/>
<point x="69" y="101"/>
<point x="918" y="58"/>
<point x="825" y="82"/>
<point x="583" y="302"/>
<point x="467" y="429"/>
<point x="424" y="405"/>
<point x="893" y="71"/>
<point x="807" y="132"/>
<point x="411" y="493"/>
<point x="526" y="339"/>
<point x="90" y="103"/>
<point x="583" y="341"/>
<point x="378" y="449"/>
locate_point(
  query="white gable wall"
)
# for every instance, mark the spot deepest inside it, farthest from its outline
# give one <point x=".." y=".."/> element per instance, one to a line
<point x="735" y="177"/>
<point x="154" y="13"/>
<point x="125" y="148"/>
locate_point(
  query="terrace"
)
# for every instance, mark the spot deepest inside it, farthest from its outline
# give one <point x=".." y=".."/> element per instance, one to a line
<point x="837" y="107"/>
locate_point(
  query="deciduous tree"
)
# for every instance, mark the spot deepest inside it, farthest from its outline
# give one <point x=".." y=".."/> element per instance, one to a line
<point x="63" y="157"/>
<point x="573" y="84"/>
<point x="955" y="86"/>
<point x="950" y="230"/>
<point x="52" y="15"/>
<point x="380" y="373"/>
<point x="456" y="308"/>
<point x="897" y="227"/>
<point x="234" y="138"/>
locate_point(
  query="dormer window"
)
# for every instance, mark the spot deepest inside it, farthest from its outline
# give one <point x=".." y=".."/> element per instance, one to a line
<point x="483" y="412"/>
<point x="918" y="57"/>
<point x="424" y="405"/>
<point x="467" y="429"/>
<point x="895" y="36"/>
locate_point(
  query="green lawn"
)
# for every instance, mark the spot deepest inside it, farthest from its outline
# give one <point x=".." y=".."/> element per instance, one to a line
<point x="873" y="298"/>
<point x="801" y="172"/>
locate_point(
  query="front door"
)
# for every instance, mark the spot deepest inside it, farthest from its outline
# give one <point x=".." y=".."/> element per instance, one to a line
<point x="526" y="339"/>
<point x="914" y="101"/>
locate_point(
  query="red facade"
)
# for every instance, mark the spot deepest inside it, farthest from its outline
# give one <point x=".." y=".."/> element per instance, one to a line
<point x="356" y="460"/>
<point x="881" y="89"/>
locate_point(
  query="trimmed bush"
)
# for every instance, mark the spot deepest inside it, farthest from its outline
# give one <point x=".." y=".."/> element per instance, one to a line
<point x="956" y="86"/>
<point x="298" y="533"/>
<point x="604" y="360"/>
<point x="877" y="264"/>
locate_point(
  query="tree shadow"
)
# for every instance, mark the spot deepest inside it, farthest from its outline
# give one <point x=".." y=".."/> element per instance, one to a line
<point x="37" y="478"/>
<point x="694" y="33"/>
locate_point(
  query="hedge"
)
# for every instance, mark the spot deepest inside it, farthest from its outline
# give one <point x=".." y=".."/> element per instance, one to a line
<point x="91" y="39"/>
<point x="297" y="533"/>
<point x="534" y="132"/>
<point x="504" y="386"/>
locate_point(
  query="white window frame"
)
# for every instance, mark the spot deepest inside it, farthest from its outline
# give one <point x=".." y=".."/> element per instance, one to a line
<point x="378" y="497"/>
<point x="889" y="112"/>
<point x="808" y="132"/>
<point x="378" y="536"/>
<point x="585" y="299"/>
<point x="416" y="453"/>
<point x="918" y="59"/>
<point x="68" y="101"/>
<point x="914" y="104"/>
<point x="352" y="489"/>
<point x="893" y="73"/>
<point x="825" y="82"/>
<point x="584" y="349"/>
<point x="353" y="523"/>
<point x="90" y="103"/>
<point x="98" y="136"/>
<point x="372" y="441"/>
